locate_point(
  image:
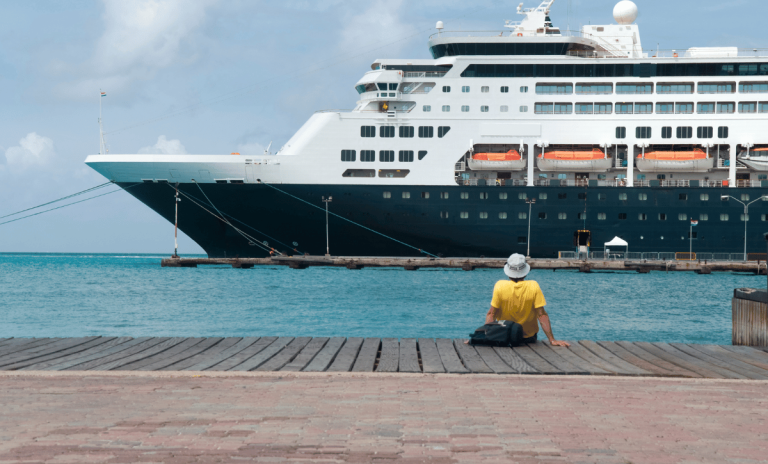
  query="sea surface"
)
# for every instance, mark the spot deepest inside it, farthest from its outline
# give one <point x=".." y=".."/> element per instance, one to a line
<point x="73" y="295"/>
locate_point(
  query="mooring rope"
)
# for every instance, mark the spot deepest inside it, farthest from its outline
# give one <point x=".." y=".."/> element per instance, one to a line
<point x="60" y="199"/>
<point x="349" y="220"/>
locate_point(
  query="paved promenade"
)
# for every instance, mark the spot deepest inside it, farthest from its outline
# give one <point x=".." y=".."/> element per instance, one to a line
<point x="385" y="418"/>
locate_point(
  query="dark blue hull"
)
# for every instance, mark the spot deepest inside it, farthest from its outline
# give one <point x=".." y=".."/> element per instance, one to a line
<point x="281" y="219"/>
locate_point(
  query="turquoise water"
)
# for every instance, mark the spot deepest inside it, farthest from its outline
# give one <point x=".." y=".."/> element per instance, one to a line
<point x="61" y="295"/>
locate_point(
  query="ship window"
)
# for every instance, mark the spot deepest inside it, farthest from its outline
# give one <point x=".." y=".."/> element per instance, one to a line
<point x="523" y="109"/>
<point x="406" y="132"/>
<point x="406" y="195"/>
<point x="725" y="107"/>
<point x="642" y="196"/>
<point x="368" y="131"/>
<point x="762" y="107"/>
<point x="483" y="109"/>
<point x="542" y="215"/>
<point x="703" y="217"/>
<point x="622" y="196"/>
<point x="392" y="87"/>
<point x="714" y="87"/>
<point x="601" y="70"/>
<point x="359" y="173"/>
<point x="502" y="215"/>
<point x="705" y="108"/>
<point x="665" y="108"/>
<point x="504" y="109"/>
<point x="666" y="132"/>
<point x="621" y="132"/>
<point x="444" y="214"/>
<point x="748" y="107"/>
<point x="524" y="89"/>
<point x="581" y="216"/>
<point x="561" y="176"/>
<point x="483" y="195"/>
<point x="704" y="132"/>
<point x="624" y="108"/>
<point x="446" y="108"/>
<point x="425" y="195"/>
<point x="562" y="216"/>
<point x="405" y="156"/>
<point x="464" y="215"/>
<point x="601" y="216"/>
<point x="723" y="217"/>
<point x="504" y="89"/>
<point x="662" y="217"/>
<point x="444" y="195"/>
<point x="382" y="86"/>
<point x="603" y="108"/>
<point x="753" y="87"/>
<point x="602" y="196"/>
<point x="674" y="88"/>
<point x="465" y="108"/>
<point x="464" y="89"/>
<point x="485" y="89"/>
<point x="427" y="108"/>
<point x="762" y="177"/>
<point x="483" y="215"/>
<point x="641" y="177"/>
<point x="594" y="89"/>
<point x="387" y="156"/>
<point x="522" y="240"/>
<point x="522" y="196"/>
<point x="386" y="131"/>
<point x="544" y="108"/>
<point x="542" y="196"/>
<point x="442" y="130"/>
<point x="562" y="196"/>
<point x="422" y="154"/>
<point x="643" y="108"/>
<point x="643" y="132"/>
<point x="704" y="197"/>
<point x="744" y="197"/>
<point x="683" y="108"/>
<point x="584" y="108"/>
<point x="394" y="172"/>
<point x="722" y="132"/>
<point x="446" y="88"/>
<point x="367" y="156"/>
<point x="684" y="132"/>
<point x="682" y="196"/>
<point x="387" y="194"/>
<point x="661" y="176"/>
<point x="554" y="89"/>
<point x="563" y="108"/>
<point x="464" y="195"/>
<point x="426" y="132"/>
<point x="348" y="155"/>
<point x="634" y="88"/>
<point x="642" y="217"/>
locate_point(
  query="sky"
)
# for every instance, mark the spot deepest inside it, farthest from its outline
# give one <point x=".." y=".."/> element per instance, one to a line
<point x="216" y="76"/>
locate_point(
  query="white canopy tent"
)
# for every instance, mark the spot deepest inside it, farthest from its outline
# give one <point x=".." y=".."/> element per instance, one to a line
<point x="616" y="242"/>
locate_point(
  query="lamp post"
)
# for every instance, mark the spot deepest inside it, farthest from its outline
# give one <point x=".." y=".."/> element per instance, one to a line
<point x="746" y="216"/>
<point x="528" y="240"/>
<point x="176" y="225"/>
<point x="327" y="244"/>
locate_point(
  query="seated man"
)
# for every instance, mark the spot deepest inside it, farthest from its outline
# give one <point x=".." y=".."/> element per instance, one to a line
<point x="520" y="301"/>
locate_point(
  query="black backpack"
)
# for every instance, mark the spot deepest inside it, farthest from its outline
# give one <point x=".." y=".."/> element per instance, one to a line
<point x="500" y="333"/>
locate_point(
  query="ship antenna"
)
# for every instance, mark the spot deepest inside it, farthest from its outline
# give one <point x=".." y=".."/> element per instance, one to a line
<point x="102" y="146"/>
<point x="266" y="152"/>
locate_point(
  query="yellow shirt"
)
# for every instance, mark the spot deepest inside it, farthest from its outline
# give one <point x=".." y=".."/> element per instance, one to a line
<point x="517" y="301"/>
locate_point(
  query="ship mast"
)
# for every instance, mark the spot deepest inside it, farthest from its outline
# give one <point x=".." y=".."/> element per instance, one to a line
<point x="102" y="146"/>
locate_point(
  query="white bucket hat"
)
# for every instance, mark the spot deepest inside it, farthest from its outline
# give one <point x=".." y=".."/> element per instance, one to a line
<point x="516" y="266"/>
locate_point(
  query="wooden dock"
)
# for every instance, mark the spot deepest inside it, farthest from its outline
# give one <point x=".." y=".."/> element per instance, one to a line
<point x="407" y="355"/>
<point x="469" y="264"/>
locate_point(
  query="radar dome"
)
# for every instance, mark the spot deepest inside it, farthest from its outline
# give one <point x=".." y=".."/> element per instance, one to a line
<point x="625" y="12"/>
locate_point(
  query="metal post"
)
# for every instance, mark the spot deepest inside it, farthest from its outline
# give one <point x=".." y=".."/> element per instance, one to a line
<point x="746" y="208"/>
<point x="176" y="226"/>
<point x="528" y="240"/>
<point x="690" y="241"/>
<point x="327" y="242"/>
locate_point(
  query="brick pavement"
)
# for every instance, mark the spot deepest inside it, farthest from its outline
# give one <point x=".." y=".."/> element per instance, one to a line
<point x="400" y="418"/>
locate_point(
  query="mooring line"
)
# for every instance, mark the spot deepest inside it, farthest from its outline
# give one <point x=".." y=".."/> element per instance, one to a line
<point x="348" y="220"/>
<point x="60" y="199"/>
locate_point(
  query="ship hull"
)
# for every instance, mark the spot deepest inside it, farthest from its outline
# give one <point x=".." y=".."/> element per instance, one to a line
<point x="290" y="216"/>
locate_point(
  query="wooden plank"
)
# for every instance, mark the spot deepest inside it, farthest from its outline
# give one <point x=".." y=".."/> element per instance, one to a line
<point x="165" y="361"/>
<point x="21" y="344"/>
<point x="567" y="354"/>
<point x="306" y="355"/>
<point x="4" y="341"/>
<point x="104" y="349"/>
<point x="492" y="360"/>
<point x="390" y="355"/>
<point x="366" y="358"/>
<point x="284" y="356"/>
<point x="409" y="356"/>
<point x="159" y="355"/>
<point x="760" y="368"/>
<point x="679" y="358"/>
<point x="449" y="357"/>
<point x="627" y="368"/>
<point x="514" y="360"/>
<point x="722" y="360"/>
<point x="703" y="366"/>
<point x="326" y="356"/>
<point x="430" y="358"/>
<point x="101" y="356"/>
<point x="539" y="364"/>
<point x="549" y="355"/>
<point x="44" y="350"/>
<point x="65" y="351"/>
<point x="204" y="355"/>
<point x="748" y="354"/>
<point x="207" y="362"/>
<point x="594" y="360"/>
<point x="654" y="364"/>
<point x="264" y="355"/>
<point x="470" y="358"/>
<point x="243" y="355"/>
<point x="94" y="363"/>
<point x="142" y="352"/>
<point x="346" y="357"/>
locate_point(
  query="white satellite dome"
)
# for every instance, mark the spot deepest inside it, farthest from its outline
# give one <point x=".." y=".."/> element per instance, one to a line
<point x="625" y="12"/>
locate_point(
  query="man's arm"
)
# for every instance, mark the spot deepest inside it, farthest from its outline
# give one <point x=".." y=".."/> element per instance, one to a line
<point x="541" y="313"/>
<point x="491" y="316"/>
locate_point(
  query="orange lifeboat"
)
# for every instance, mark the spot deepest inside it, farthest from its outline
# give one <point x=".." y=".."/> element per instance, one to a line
<point x="756" y="158"/>
<point x="579" y="155"/>
<point x="509" y="161"/>
<point x="695" y="160"/>
<point x="511" y="155"/>
<point x="696" y="154"/>
<point x="574" y="160"/>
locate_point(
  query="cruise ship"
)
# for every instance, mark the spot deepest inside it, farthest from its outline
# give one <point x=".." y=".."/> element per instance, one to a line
<point x="500" y="142"/>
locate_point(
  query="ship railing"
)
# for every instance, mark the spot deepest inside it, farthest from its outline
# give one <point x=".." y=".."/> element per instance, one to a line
<point x="711" y="183"/>
<point x="620" y="163"/>
<point x="642" y="183"/>
<point x="675" y="183"/>
<point x="460" y="166"/>
<point x="411" y="74"/>
<point x="741" y="52"/>
<point x="663" y="256"/>
<point x="725" y="163"/>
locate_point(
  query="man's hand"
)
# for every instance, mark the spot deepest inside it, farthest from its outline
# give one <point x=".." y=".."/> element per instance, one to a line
<point x="559" y="343"/>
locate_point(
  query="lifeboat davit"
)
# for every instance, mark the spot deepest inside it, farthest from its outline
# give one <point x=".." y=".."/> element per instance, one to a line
<point x="574" y="160"/>
<point x="695" y="160"/>
<point x="509" y="161"/>
<point x="756" y="159"/>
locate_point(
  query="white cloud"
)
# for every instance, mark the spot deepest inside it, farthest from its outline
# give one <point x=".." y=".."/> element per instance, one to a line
<point x="164" y="147"/>
<point x="380" y="22"/>
<point x="33" y="150"/>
